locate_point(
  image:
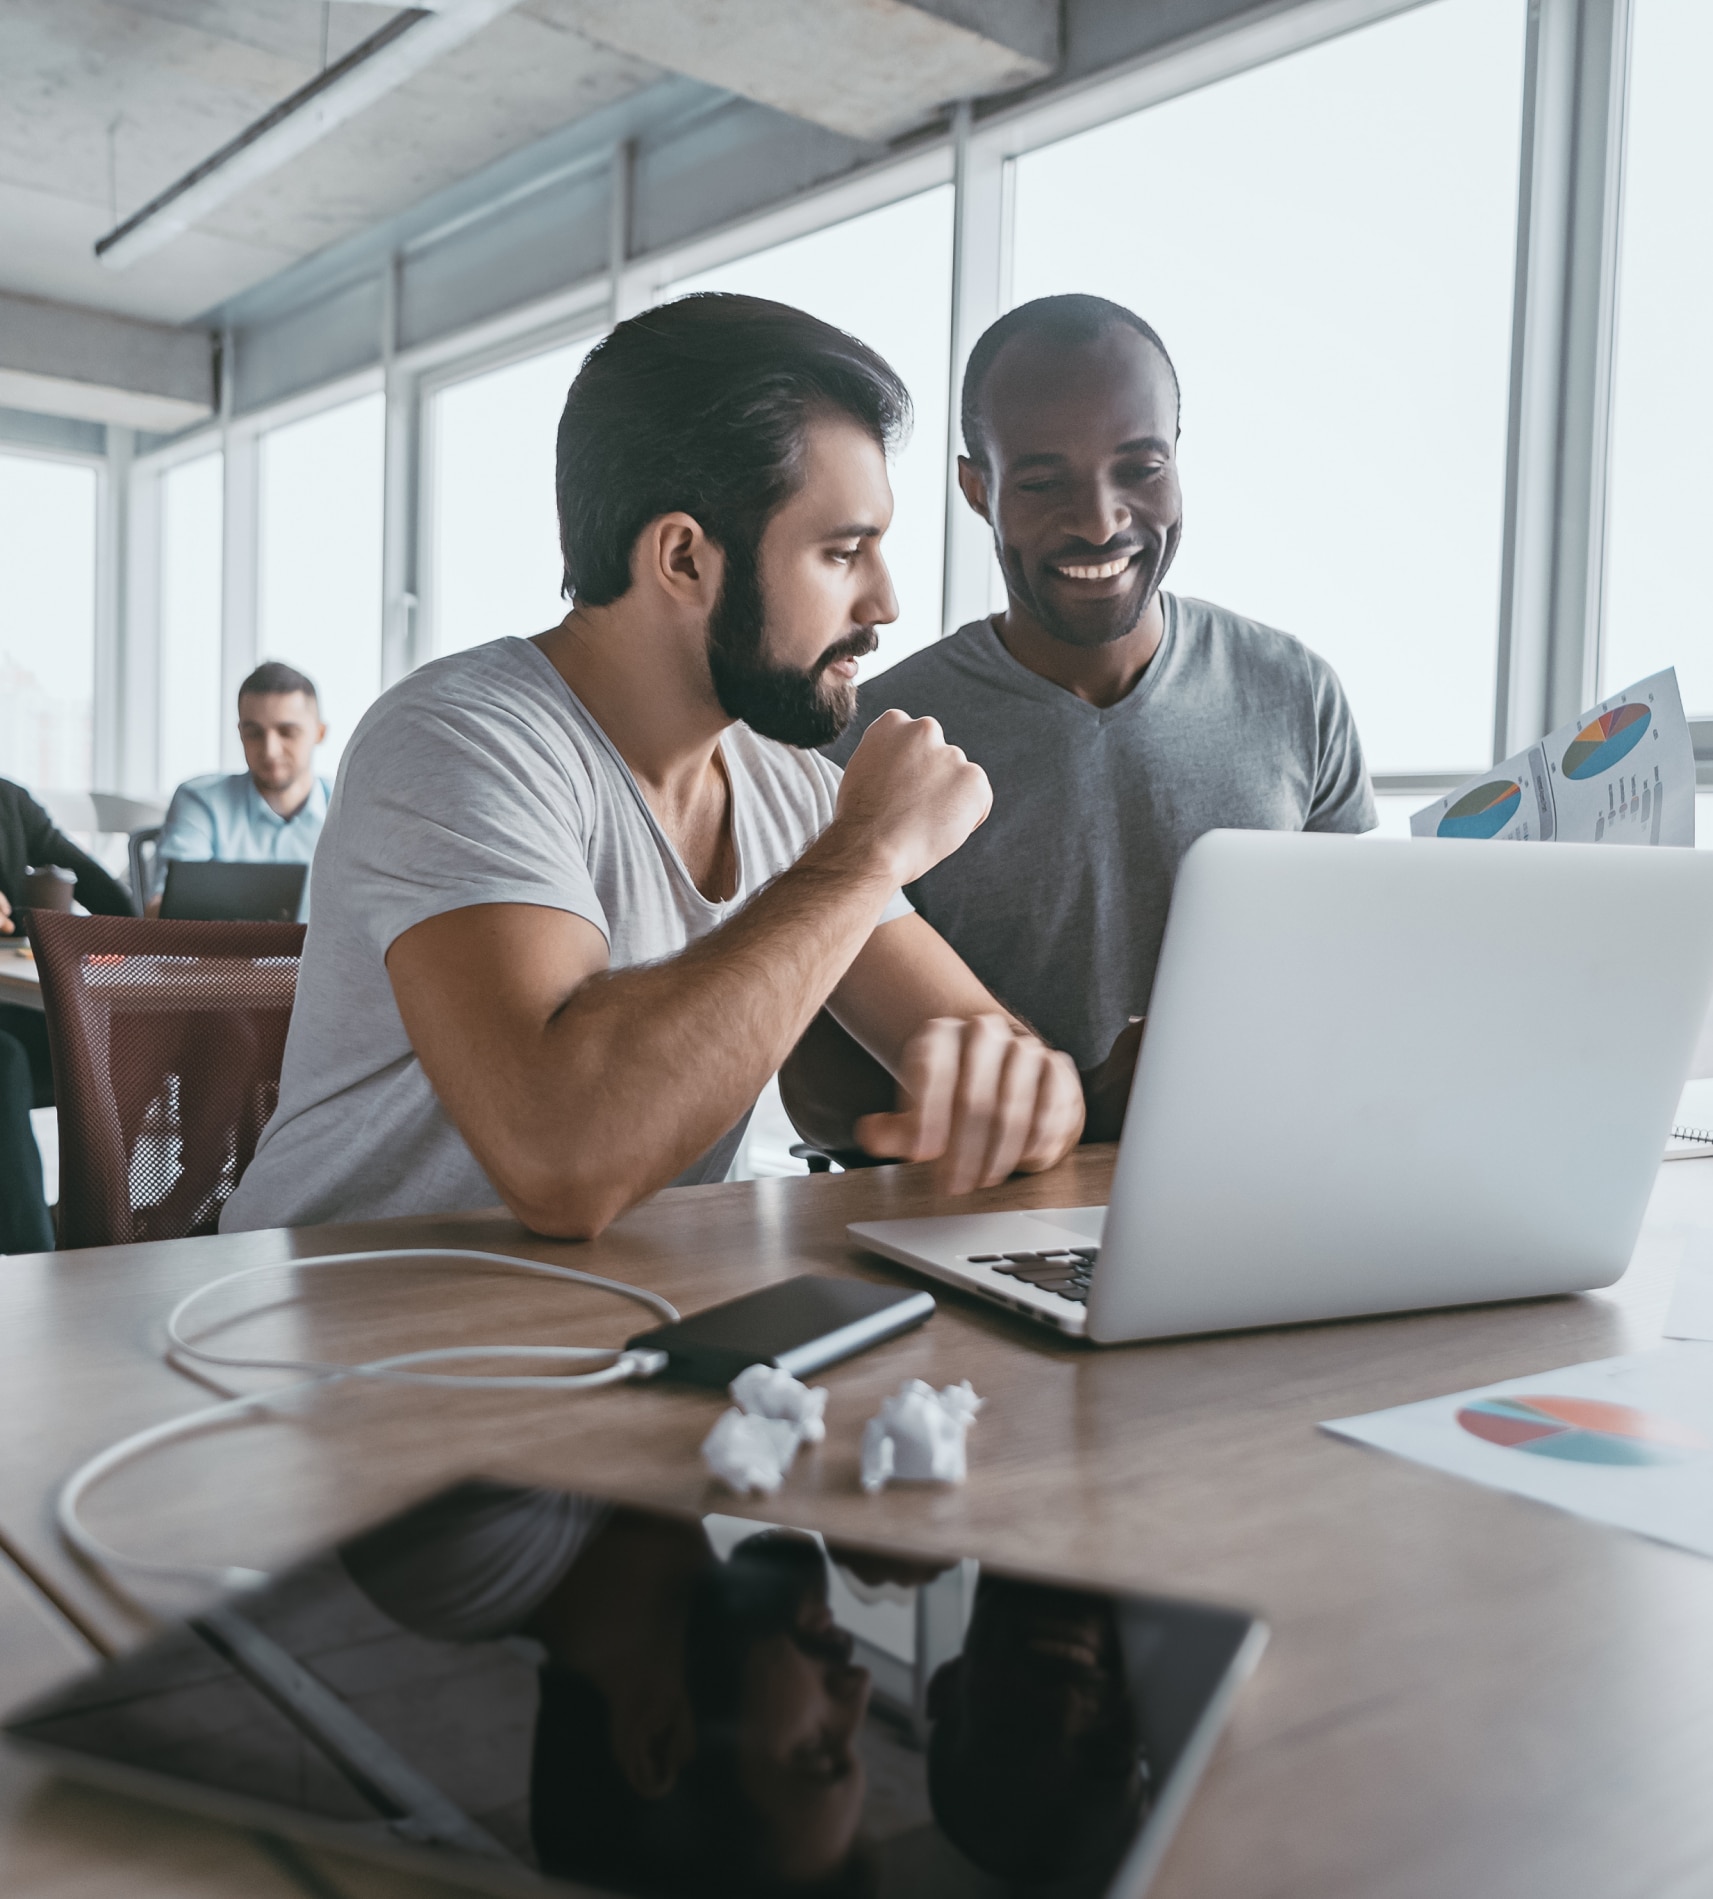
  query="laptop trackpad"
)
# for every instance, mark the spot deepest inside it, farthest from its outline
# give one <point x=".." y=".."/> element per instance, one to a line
<point x="1088" y="1222"/>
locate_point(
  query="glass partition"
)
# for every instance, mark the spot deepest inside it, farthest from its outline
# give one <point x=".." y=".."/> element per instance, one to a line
<point x="1327" y="245"/>
<point x="886" y="277"/>
<point x="192" y="713"/>
<point x="47" y="621"/>
<point x="319" y="583"/>
<point x="1661" y="481"/>
<point x="494" y="553"/>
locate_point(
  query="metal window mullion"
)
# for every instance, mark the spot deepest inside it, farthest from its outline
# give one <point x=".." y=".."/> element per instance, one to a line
<point x="138" y="658"/>
<point x="240" y="563"/>
<point x="111" y="588"/>
<point x="632" y="285"/>
<point x="1561" y="367"/>
<point x="399" y="476"/>
<point x="981" y="250"/>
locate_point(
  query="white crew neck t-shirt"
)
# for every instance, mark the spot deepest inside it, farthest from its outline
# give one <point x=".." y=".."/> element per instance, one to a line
<point x="481" y="778"/>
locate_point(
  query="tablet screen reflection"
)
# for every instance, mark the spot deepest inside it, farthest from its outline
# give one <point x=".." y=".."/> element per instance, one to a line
<point x="528" y="1683"/>
<point x="706" y="1724"/>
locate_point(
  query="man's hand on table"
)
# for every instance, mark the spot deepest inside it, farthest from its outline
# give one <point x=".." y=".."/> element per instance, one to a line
<point x="7" y="926"/>
<point x="983" y="1098"/>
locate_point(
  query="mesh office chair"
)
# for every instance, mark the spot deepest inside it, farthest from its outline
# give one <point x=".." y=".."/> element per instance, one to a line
<point x="140" y="853"/>
<point x="167" y="1040"/>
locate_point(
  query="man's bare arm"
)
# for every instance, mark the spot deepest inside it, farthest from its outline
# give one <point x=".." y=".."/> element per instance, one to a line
<point x="977" y="1090"/>
<point x="830" y="1082"/>
<point x="580" y="1089"/>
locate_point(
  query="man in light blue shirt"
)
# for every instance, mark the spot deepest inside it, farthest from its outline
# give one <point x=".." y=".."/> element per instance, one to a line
<point x="272" y="812"/>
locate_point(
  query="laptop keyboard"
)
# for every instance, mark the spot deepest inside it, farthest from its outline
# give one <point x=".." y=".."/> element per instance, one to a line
<point x="1067" y="1270"/>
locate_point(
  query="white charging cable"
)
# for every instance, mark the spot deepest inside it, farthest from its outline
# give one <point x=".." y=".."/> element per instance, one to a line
<point x="399" y="1367"/>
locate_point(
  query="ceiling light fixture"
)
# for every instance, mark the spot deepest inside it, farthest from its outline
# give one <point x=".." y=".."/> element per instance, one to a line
<point x="414" y="38"/>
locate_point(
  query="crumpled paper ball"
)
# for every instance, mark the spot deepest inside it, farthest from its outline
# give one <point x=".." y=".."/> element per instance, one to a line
<point x="918" y="1436"/>
<point x="748" y="1453"/>
<point x="764" y="1391"/>
<point x="751" y="1447"/>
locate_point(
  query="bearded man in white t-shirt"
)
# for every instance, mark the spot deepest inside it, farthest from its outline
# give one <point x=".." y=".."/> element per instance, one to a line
<point x="578" y="895"/>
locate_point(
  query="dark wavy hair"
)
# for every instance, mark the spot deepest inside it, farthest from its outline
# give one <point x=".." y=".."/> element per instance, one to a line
<point x="700" y="407"/>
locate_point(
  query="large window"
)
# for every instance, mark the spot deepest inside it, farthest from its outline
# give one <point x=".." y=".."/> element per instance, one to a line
<point x="885" y="277"/>
<point x="319" y="586"/>
<point x="191" y="700"/>
<point x="495" y="526"/>
<point x="47" y="621"/>
<point x="1327" y="246"/>
<point x="1661" y="478"/>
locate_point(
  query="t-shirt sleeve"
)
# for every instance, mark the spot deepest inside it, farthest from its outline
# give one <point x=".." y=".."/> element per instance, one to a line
<point x="1343" y="799"/>
<point x="897" y="905"/>
<point x="442" y="807"/>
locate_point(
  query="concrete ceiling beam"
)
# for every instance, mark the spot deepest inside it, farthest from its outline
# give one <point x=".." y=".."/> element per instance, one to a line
<point x="59" y="360"/>
<point x="869" y="69"/>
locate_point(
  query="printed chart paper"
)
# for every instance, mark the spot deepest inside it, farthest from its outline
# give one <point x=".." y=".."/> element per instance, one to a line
<point x="1623" y="773"/>
<point x="1625" y="1441"/>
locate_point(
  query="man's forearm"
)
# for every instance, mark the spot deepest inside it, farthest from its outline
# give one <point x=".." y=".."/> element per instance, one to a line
<point x="829" y="1081"/>
<point x="642" y="1069"/>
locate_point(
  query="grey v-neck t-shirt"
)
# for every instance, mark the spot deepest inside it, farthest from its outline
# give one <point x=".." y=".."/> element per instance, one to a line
<point x="481" y="778"/>
<point x="1058" y="903"/>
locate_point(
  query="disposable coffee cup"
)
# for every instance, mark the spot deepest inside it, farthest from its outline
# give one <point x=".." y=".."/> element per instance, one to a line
<point x="49" y="888"/>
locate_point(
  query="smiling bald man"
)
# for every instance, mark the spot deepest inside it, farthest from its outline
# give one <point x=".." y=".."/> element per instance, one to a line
<point x="1116" y="722"/>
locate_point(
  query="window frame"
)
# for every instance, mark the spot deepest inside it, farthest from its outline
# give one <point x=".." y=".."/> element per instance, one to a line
<point x="1558" y="423"/>
<point x="106" y="696"/>
<point x="432" y="382"/>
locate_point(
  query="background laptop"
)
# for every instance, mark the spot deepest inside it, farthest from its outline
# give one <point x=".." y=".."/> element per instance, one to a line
<point x="382" y="1700"/>
<point x="1377" y="1075"/>
<point x="217" y="892"/>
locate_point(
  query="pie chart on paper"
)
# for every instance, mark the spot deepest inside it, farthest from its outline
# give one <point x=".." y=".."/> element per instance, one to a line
<point x="1483" y="812"/>
<point x="1603" y="741"/>
<point x="1580" y="1430"/>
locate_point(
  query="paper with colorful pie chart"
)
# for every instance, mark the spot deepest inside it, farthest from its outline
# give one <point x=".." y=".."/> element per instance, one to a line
<point x="1625" y="1441"/>
<point x="1621" y="773"/>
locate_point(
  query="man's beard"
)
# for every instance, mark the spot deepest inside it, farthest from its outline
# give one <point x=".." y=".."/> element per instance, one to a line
<point x="780" y="702"/>
<point x="1100" y="622"/>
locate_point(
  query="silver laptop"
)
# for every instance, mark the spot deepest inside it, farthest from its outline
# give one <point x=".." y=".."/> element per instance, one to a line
<point x="1377" y="1075"/>
<point x="216" y="890"/>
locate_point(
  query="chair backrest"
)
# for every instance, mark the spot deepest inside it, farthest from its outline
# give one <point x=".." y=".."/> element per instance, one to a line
<point x="101" y="811"/>
<point x="140" y="848"/>
<point x="116" y="812"/>
<point x="167" y="1040"/>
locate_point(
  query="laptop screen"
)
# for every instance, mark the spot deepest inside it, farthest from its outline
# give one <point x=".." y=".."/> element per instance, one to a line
<point x="528" y="1686"/>
<point x="215" y="891"/>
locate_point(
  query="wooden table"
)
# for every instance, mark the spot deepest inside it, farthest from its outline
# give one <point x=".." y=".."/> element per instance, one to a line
<point x="1465" y="1693"/>
<point x="19" y="982"/>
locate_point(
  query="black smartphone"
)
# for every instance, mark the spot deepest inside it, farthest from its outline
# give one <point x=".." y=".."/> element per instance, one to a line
<point x="799" y="1325"/>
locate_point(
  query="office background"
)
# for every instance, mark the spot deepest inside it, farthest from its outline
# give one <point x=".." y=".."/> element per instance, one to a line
<point x="1429" y="273"/>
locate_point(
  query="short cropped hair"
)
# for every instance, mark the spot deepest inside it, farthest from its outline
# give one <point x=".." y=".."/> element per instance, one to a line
<point x="1068" y="321"/>
<point x="274" y="675"/>
<point x="700" y="407"/>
